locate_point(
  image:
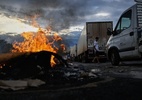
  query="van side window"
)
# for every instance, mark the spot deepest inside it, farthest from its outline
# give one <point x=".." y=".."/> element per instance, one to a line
<point x="124" y="22"/>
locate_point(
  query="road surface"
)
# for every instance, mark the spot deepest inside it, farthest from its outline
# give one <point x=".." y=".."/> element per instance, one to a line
<point x="129" y="69"/>
<point x="123" y="82"/>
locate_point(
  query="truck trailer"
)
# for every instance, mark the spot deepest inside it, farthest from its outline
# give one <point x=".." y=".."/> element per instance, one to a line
<point x="125" y="42"/>
<point x="84" y="49"/>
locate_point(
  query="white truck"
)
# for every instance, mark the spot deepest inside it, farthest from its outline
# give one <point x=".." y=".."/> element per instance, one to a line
<point x="84" y="49"/>
<point x="125" y="42"/>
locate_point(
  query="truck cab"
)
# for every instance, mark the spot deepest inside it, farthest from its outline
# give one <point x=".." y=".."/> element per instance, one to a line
<point x="125" y="42"/>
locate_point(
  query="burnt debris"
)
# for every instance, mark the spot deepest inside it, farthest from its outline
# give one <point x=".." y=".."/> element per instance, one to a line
<point x="28" y="65"/>
<point x="35" y="65"/>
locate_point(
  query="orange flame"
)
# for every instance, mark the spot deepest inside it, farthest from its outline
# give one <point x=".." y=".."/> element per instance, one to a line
<point x="38" y="41"/>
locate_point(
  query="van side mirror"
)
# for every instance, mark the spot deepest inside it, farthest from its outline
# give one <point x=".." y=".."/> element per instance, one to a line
<point x="109" y="31"/>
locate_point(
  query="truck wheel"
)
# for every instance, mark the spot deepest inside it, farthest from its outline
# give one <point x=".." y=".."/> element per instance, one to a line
<point x="114" y="57"/>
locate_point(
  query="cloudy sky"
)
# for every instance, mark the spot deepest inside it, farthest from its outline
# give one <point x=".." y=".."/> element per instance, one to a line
<point x="66" y="13"/>
<point x="61" y="14"/>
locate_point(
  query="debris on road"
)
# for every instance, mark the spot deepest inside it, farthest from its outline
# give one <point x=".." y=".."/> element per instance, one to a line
<point x="20" y="84"/>
<point x="32" y="66"/>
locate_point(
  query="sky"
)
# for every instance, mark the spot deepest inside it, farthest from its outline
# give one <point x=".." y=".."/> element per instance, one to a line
<point x="66" y="16"/>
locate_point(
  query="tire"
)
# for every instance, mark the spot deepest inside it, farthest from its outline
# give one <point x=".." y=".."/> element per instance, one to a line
<point x="114" y="57"/>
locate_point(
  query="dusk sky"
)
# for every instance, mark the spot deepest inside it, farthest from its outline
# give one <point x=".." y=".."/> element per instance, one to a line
<point x="65" y="15"/>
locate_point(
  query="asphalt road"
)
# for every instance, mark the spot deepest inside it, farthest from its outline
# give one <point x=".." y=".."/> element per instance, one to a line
<point x="123" y="82"/>
<point x="129" y="69"/>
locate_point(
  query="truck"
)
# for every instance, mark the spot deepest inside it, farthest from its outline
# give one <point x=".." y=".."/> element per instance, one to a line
<point x="84" y="49"/>
<point x="125" y="42"/>
<point x="73" y="50"/>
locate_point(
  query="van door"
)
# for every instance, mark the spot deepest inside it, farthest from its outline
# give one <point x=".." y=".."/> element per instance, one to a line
<point x="125" y="34"/>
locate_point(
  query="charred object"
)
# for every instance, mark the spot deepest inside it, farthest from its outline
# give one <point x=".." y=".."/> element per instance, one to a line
<point x="35" y="65"/>
<point x="28" y="65"/>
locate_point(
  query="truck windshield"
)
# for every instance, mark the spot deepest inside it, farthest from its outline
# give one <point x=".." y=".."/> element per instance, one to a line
<point x="124" y="22"/>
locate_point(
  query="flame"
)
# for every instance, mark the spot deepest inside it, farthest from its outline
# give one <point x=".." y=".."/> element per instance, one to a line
<point x="38" y="41"/>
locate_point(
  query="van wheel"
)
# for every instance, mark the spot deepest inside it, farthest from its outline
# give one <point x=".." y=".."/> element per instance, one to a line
<point x="114" y="57"/>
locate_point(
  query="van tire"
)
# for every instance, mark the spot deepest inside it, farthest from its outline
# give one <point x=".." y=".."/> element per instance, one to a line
<point x="114" y="57"/>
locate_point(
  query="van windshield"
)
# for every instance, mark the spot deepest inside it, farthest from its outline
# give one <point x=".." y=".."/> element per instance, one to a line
<point x="124" y="22"/>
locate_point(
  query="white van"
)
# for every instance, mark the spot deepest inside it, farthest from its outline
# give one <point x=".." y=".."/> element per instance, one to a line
<point x="125" y="42"/>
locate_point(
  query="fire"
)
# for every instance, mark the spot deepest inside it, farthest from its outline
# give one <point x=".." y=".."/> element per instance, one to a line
<point x="34" y="42"/>
<point x="38" y="41"/>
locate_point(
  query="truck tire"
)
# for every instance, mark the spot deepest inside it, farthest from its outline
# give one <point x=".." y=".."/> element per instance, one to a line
<point x="114" y="57"/>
